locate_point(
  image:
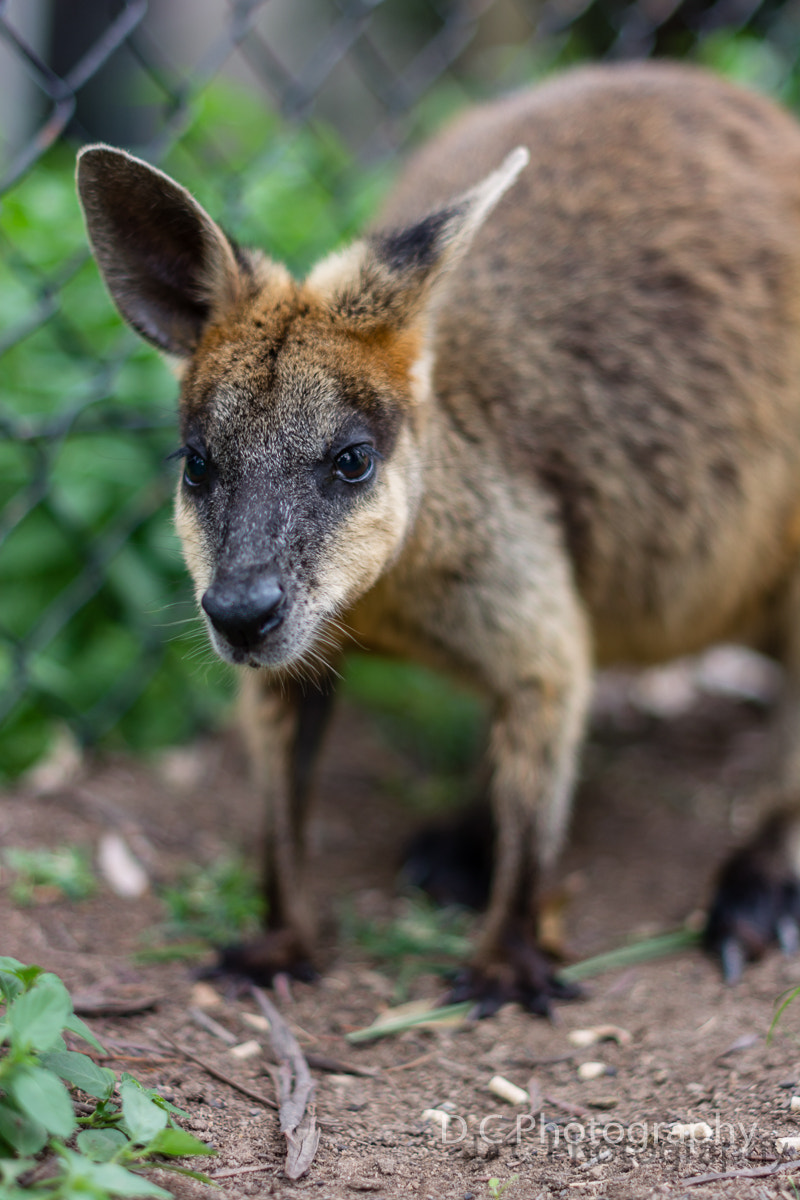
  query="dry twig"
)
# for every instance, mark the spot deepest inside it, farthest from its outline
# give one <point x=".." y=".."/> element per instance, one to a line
<point x="575" y="1110"/>
<point x="744" y="1173"/>
<point x="259" y="1097"/>
<point x="231" y="1171"/>
<point x="211" y="1026"/>
<point x="295" y="1091"/>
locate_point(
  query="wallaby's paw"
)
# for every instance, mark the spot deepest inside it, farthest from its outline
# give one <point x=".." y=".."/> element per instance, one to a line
<point x="275" y="952"/>
<point x="757" y="901"/>
<point x="526" y="977"/>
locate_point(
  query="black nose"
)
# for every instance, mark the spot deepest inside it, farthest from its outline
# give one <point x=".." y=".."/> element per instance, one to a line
<point x="244" y="610"/>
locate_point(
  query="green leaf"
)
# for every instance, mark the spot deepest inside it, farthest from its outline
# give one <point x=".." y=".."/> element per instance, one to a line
<point x="100" y="1145"/>
<point x="43" y="1097"/>
<point x="27" y="975"/>
<point x="167" y="1105"/>
<point x="37" y="1017"/>
<point x="79" y="1070"/>
<point x="122" y="1182"/>
<point x="84" y="1176"/>
<point x="76" y="1025"/>
<point x="11" y="982"/>
<point x="47" y="979"/>
<point x="178" y="1142"/>
<point x="141" y="1117"/>
<point x="26" y="1135"/>
<point x="11" y="1169"/>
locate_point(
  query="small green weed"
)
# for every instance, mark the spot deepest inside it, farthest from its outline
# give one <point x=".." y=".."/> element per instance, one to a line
<point x="67" y="870"/>
<point x="220" y="902"/>
<point x="110" y="1145"/>
<point x="496" y="1188"/>
<point x="782" y="1003"/>
<point x="423" y="939"/>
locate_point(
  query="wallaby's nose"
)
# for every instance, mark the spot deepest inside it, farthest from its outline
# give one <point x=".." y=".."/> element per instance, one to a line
<point x="244" y="610"/>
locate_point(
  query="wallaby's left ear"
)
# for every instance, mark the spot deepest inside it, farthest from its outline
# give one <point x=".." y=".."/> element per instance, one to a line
<point x="388" y="279"/>
<point x="168" y="266"/>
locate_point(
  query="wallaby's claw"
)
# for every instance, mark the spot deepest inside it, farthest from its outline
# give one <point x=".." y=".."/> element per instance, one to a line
<point x="273" y="953"/>
<point x="757" y="902"/>
<point x="526" y="979"/>
<point x="732" y="959"/>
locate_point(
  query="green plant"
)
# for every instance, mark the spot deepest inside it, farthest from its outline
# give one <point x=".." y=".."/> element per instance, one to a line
<point x="219" y="902"/>
<point x="111" y="1142"/>
<point x="67" y="870"/>
<point x="781" y="1004"/>
<point x="496" y="1188"/>
<point x="422" y="939"/>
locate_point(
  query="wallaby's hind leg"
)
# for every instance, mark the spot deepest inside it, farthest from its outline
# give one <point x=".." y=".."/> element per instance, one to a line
<point x="284" y="726"/>
<point x="757" y="897"/>
<point x="787" y="721"/>
<point x="757" y="900"/>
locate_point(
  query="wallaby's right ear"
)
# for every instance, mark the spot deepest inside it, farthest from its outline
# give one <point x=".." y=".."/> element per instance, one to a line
<point x="168" y="266"/>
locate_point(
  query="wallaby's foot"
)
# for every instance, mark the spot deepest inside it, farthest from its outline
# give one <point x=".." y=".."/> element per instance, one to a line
<point x="757" y="901"/>
<point x="452" y="860"/>
<point x="524" y="974"/>
<point x="274" y="952"/>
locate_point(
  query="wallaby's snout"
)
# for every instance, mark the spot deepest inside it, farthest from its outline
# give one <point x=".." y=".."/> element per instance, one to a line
<point x="245" y="608"/>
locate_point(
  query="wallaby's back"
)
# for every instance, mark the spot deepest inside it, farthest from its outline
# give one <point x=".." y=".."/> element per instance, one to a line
<point x="627" y="329"/>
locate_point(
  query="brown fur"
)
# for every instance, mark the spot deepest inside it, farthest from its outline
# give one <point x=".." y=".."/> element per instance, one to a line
<point x="586" y="405"/>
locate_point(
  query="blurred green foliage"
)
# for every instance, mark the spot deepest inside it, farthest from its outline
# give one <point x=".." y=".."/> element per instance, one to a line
<point x="420" y="938"/>
<point x="39" y="873"/>
<point x="219" y="902"/>
<point x="97" y="623"/>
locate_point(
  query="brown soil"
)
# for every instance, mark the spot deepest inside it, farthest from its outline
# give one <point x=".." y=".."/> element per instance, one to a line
<point x="658" y="807"/>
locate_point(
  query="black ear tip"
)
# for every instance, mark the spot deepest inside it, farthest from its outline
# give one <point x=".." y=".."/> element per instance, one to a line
<point x="93" y="160"/>
<point x="99" y="159"/>
<point x="97" y="151"/>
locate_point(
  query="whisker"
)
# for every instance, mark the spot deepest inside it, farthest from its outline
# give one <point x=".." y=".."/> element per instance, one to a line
<point x="180" y="621"/>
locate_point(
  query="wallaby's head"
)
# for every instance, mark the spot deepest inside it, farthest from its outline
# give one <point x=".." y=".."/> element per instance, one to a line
<point x="303" y="405"/>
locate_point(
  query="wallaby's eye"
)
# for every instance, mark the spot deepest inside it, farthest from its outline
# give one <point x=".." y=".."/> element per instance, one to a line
<point x="355" y="464"/>
<point x="195" y="471"/>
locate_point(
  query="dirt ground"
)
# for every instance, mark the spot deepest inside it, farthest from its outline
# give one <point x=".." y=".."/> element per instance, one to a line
<point x="661" y="800"/>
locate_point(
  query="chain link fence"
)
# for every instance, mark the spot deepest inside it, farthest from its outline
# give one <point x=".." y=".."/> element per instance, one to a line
<point x="285" y="117"/>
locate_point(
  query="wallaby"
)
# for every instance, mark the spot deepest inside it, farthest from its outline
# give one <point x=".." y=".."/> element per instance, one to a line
<point x="528" y="426"/>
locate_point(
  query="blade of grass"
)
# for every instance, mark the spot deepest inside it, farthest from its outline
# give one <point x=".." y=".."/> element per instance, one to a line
<point x="385" y="1026"/>
<point x="786" y="998"/>
<point x="632" y="953"/>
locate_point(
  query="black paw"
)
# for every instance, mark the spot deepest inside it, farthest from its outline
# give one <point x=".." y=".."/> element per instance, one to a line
<point x="275" y="952"/>
<point x="524" y="975"/>
<point x="757" y="901"/>
<point x="452" y="861"/>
